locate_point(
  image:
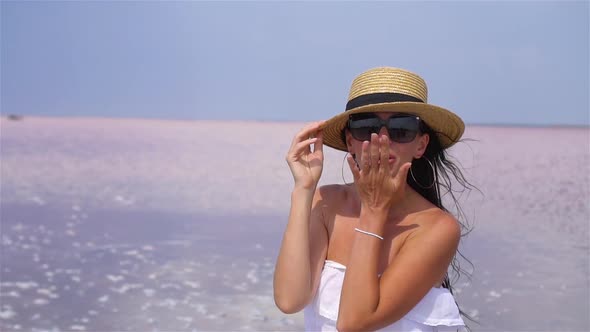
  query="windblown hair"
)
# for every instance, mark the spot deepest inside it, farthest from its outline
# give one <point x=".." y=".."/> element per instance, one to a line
<point x="448" y="179"/>
<point x="434" y="180"/>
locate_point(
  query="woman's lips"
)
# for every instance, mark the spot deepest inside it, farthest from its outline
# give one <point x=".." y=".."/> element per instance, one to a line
<point x="391" y="160"/>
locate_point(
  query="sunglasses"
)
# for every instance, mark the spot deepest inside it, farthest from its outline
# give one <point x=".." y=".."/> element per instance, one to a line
<point x="400" y="128"/>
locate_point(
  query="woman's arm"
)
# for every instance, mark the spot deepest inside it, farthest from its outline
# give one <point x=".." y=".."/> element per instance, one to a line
<point x="368" y="302"/>
<point x="305" y="241"/>
<point x="302" y="253"/>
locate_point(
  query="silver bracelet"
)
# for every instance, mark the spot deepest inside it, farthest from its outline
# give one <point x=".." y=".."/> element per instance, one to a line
<point x="369" y="233"/>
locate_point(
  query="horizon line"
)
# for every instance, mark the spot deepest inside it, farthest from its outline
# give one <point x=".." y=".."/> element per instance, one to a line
<point x="20" y="117"/>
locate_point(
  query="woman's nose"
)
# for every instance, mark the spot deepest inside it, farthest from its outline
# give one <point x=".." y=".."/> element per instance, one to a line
<point x="383" y="132"/>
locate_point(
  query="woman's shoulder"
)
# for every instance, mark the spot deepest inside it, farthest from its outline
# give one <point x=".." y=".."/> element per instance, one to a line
<point x="426" y="213"/>
<point x="335" y="197"/>
<point x="333" y="193"/>
<point x="438" y="223"/>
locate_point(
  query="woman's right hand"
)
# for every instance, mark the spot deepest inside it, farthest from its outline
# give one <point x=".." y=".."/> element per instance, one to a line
<point x="306" y="166"/>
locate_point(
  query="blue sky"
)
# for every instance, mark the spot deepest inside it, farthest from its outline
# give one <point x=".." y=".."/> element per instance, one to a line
<point x="490" y="62"/>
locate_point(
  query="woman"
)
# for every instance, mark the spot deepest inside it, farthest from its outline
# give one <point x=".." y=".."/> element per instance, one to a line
<point x="374" y="255"/>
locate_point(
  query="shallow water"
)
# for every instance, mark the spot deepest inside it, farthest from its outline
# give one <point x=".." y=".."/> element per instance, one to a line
<point x="70" y="269"/>
<point x="137" y="225"/>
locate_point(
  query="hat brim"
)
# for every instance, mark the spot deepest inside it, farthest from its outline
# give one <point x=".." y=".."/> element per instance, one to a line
<point x="447" y="125"/>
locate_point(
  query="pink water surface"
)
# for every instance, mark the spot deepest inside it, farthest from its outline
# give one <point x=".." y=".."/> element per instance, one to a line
<point x="104" y="212"/>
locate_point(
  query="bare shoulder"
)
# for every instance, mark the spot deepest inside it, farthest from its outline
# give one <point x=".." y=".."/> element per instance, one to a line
<point x="437" y="225"/>
<point x="333" y="193"/>
<point x="326" y="197"/>
<point x="332" y="199"/>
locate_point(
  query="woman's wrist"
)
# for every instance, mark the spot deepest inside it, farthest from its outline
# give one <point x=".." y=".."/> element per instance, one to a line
<point x="373" y="220"/>
<point x="303" y="190"/>
<point x="374" y="211"/>
<point x="302" y="193"/>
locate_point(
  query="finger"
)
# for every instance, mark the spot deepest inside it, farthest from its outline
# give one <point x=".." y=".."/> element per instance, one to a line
<point x="384" y="150"/>
<point x="374" y="151"/>
<point x="395" y="167"/>
<point x="303" y="146"/>
<point x="303" y="134"/>
<point x="402" y="175"/>
<point x="353" y="168"/>
<point x="318" y="146"/>
<point x="308" y="131"/>
<point x="365" y="158"/>
<point x="305" y="143"/>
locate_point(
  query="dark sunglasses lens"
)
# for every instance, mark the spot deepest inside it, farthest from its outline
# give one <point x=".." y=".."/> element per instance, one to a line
<point x="401" y="135"/>
<point x="362" y="129"/>
<point x="403" y="129"/>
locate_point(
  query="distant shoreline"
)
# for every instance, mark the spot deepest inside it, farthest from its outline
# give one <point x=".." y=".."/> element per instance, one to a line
<point x="24" y="117"/>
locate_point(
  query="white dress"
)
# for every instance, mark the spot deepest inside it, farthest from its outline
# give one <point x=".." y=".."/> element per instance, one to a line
<point x="437" y="311"/>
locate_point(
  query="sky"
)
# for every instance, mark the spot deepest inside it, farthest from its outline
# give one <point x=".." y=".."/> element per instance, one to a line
<point x="514" y="63"/>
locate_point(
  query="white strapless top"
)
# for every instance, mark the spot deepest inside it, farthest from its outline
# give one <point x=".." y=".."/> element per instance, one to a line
<point x="437" y="311"/>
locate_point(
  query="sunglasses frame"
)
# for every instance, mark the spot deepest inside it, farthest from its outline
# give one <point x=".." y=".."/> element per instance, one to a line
<point x="385" y="123"/>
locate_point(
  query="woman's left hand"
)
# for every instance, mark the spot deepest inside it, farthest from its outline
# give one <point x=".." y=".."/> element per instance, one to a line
<point x="380" y="183"/>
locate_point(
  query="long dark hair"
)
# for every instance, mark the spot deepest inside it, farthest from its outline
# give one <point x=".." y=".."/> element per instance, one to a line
<point x="436" y="175"/>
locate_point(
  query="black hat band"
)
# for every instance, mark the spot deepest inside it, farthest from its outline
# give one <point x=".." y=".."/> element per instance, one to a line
<point x="380" y="97"/>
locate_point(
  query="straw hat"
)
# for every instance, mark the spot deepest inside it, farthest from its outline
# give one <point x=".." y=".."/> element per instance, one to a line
<point x="396" y="90"/>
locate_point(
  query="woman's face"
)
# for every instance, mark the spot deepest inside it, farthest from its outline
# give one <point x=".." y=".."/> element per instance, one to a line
<point x="398" y="151"/>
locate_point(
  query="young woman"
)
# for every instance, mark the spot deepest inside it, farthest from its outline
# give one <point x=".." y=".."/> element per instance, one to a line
<point x="374" y="255"/>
